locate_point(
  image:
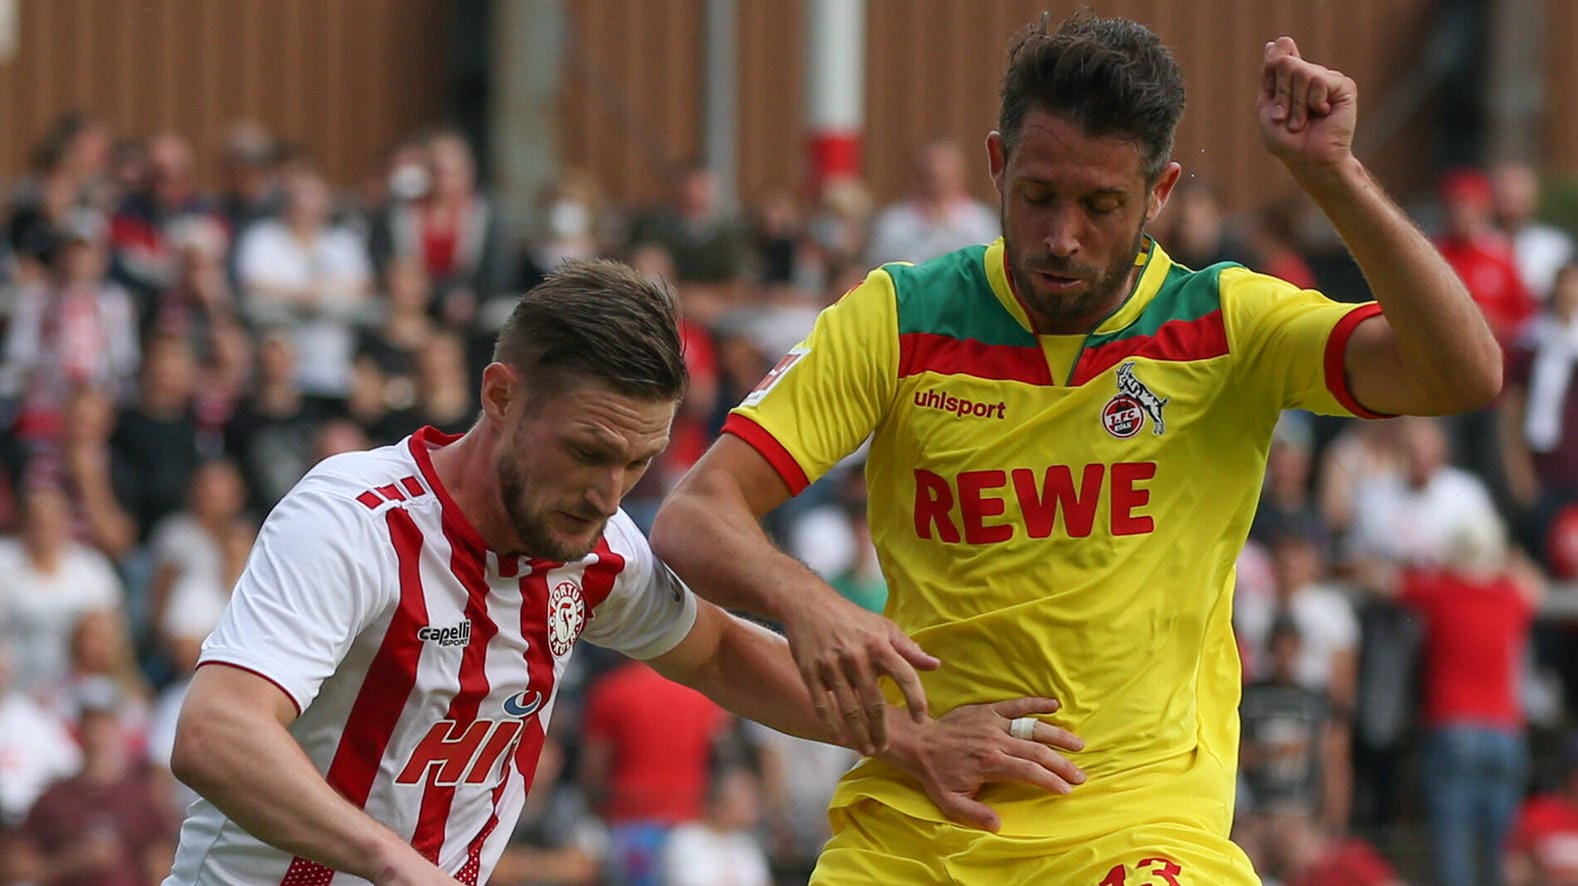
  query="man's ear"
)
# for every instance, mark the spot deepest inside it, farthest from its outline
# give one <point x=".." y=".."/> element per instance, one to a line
<point x="500" y="386"/>
<point x="1162" y="190"/>
<point x="996" y="158"/>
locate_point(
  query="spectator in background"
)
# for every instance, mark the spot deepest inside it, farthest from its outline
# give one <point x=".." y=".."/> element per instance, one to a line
<point x="1319" y="858"/>
<point x="451" y="225"/>
<point x="1196" y="230"/>
<point x="1360" y="456"/>
<point x="557" y="841"/>
<point x="1477" y="608"/>
<point x="1275" y="244"/>
<point x="249" y="190"/>
<point x="708" y="245"/>
<point x="82" y="469"/>
<point x="1543" y="847"/>
<point x="150" y="217"/>
<point x="200" y="301"/>
<point x="271" y="435"/>
<point x="1540" y="415"/>
<point x="797" y="781"/>
<point x="646" y="748"/>
<point x="76" y="329"/>
<point x="1481" y="256"/>
<point x="720" y="849"/>
<point x="100" y="652"/>
<point x="104" y="826"/>
<point x="50" y="583"/>
<point x="402" y="327"/>
<point x="1293" y="750"/>
<point x="155" y="446"/>
<point x="940" y="217"/>
<point x="779" y="234"/>
<point x="188" y="545"/>
<point x="303" y="272"/>
<point x="838" y="227"/>
<point x="443" y="387"/>
<point x="36" y="750"/>
<point x="571" y="224"/>
<point x="198" y="600"/>
<point x="1286" y="499"/>
<point x="1538" y="249"/>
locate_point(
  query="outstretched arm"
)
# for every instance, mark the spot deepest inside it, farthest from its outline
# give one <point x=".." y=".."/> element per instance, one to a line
<point x="708" y="531"/>
<point x="748" y="670"/>
<point x="1430" y="352"/>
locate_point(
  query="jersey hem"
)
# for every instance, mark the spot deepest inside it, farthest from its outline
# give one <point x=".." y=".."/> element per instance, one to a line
<point x="1336" y="348"/>
<point x="765" y="444"/>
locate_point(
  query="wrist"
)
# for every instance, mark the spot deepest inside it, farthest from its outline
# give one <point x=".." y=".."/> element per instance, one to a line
<point x="905" y="738"/>
<point x="1325" y="180"/>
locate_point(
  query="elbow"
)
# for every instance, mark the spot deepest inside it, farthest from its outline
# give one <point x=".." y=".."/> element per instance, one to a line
<point x="1480" y="385"/>
<point x="198" y="752"/>
<point x="668" y="529"/>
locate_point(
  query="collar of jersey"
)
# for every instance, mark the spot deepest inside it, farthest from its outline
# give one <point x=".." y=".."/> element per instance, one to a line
<point x="1151" y="258"/>
<point x="423" y="442"/>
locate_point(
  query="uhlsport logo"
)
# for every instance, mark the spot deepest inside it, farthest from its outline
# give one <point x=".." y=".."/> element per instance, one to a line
<point x="1125" y="413"/>
<point x="566" y="617"/>
<point x="451" y="635"/>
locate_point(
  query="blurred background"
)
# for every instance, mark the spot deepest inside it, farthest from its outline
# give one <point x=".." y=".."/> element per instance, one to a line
<point x="241" y="236"/>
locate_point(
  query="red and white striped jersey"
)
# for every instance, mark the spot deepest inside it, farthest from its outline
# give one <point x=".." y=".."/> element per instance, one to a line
<point x="423" y="664"/>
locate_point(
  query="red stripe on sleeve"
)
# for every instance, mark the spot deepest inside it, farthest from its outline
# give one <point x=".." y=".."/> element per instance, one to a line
<point x="469" y="569"/>
<point x="412" y="486"/>
<point x="388" y="683"/>
<point x="769" y="448"/>
<point x="1336" y="349"/>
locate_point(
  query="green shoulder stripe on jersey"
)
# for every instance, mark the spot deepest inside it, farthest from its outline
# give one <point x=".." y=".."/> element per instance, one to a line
<point x="951" y="296"/>
<point x="1184" y="295"/>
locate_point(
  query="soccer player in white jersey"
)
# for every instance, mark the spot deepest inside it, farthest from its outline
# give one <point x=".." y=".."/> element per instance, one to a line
<point x="371" y="707"/>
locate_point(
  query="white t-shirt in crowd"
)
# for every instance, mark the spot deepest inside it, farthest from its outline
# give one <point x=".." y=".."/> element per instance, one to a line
<point x="39" y="610"/>
<point x="1327" y="626"/>
<point x="696" y="855"/>
<point x="904" y="232"/>
<point x="35" y="751"/>
<point x="1414" y="526"/>
<point x="424" y="665"/>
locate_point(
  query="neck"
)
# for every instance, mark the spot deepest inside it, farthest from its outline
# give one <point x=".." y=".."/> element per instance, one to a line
<point x="465" y="469"/>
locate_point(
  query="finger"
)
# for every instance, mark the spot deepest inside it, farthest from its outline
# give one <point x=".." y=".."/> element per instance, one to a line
<point x="1057" y="737"/>
<point x="1048" y="759"/>
<point x="1318" y="99"/>
<point x="913" y="653"/>
<point x="822" y="699"/>
<point x="852" y="716"/>
<point x="874" y="706"/>
<point x="1298" y="95"/>
<point x="899" y="668"/>
<point x="1024" y="707"/>
<point x="969" y="812"/>
<point x="1019" y="769"/>
<point x="1285" y="46"/>
<point x="1281" y="92"/>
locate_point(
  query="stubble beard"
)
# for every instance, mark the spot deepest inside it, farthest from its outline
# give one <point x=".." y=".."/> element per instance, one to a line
<point x="532" y="531"/>
<point x="1099" y="298"/>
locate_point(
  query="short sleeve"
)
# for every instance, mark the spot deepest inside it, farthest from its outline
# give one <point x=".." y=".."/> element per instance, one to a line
<point x="649" y="610"/>
<point x="827" y="395"/>
<point x="1291" y="342"/>
<point x="313" y="583"/>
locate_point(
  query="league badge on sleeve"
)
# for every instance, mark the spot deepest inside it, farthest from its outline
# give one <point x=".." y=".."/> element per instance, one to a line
<point x="1125" y="413"/>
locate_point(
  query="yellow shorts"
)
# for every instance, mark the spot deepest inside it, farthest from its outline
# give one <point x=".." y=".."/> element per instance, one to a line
<point x="873" y="843"/>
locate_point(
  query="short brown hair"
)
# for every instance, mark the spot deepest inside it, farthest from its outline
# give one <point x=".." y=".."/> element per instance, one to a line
<point x="597" y="320"/>
<point x="1112" y="76"/>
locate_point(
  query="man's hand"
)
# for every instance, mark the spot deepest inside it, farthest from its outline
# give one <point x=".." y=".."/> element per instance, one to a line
<point x="841" y="650"/>
<point x="1307" y="112"/>
<point x="953" y="757"/>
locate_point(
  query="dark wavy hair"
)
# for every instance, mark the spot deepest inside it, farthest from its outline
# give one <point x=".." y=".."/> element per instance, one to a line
<point x="1112" y="76"/>
<point x="596" y="320"/>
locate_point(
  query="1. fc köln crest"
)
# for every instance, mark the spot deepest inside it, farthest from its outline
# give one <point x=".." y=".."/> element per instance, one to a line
<point x="1125" y="414"/>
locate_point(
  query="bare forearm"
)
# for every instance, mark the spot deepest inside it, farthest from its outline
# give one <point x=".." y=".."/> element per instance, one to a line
<point x="1440" y="333"/>
<point x="251" y="769"/>
<point x="717" y="546"/>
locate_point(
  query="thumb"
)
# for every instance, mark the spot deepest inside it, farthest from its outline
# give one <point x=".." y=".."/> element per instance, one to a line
<point x="969" y="812"/>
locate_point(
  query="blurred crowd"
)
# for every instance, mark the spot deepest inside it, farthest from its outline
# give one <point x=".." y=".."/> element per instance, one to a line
<point x="177" y="356"/>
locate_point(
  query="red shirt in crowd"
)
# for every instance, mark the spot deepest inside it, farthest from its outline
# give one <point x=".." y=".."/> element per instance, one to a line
<point x="1487" y="269"/>
<point x="661" y="735"/>
<point x="1547" y="831"/>
<point x="1352" y="863"/>
<point x="1476" y="631"/>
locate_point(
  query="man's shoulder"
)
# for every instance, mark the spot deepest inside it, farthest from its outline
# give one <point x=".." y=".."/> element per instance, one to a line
<point x="363" y="482"/>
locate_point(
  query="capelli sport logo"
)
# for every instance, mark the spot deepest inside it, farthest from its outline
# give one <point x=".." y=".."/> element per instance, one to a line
<point x="458" y="634"/>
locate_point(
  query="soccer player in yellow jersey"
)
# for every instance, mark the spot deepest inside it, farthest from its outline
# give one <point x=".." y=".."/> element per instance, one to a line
<point x="1068" y="435"/>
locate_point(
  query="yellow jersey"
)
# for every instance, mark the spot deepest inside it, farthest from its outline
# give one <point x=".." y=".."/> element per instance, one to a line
<point x="1060" y="515"/>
